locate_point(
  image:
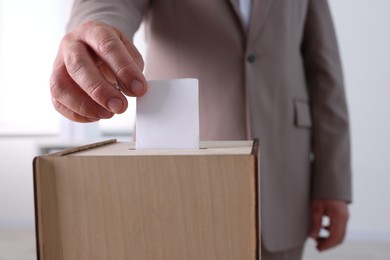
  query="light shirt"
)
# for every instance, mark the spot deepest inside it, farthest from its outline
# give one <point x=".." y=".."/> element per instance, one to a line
<point x="245" y="10"/>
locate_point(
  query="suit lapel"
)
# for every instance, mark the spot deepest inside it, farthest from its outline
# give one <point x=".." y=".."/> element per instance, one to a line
<point x="236" y="10"/>
<point x="260" y="10"/>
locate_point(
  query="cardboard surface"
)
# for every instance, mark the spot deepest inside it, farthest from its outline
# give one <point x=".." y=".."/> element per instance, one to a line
<point x="112" y="148"/>
<point x="103" y="202"/>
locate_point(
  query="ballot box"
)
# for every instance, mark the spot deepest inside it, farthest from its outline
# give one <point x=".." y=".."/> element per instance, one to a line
<point x="110" y="201"/>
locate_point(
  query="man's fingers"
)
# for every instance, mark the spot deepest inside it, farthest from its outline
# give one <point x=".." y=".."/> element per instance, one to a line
<point x="64" y="90"/>
<point x="71" y="115"/>
<point x="338" y="214"/>
<point x="95" y="61"/>
<point x="84" y="72"/>
<point x="337" y="211"/>
<point x="117" y="52"/>
<point x="137" y="57"/>
<point x="336" y="236"/>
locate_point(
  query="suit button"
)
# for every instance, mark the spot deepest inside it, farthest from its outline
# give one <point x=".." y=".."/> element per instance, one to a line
<point x="251" y="58"/>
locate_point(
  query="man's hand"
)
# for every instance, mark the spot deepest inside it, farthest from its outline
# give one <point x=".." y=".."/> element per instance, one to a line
<point x="91" y="59"/>
<point x="337" y="212"/>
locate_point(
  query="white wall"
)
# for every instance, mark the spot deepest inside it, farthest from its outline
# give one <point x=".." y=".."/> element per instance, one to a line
<point x="363" y="29"/>
<point x="29" y="34"/>
<point x="16" y="182"/>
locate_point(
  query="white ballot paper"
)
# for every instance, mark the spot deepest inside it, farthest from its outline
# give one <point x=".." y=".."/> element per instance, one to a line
<point x="168" y="115"/>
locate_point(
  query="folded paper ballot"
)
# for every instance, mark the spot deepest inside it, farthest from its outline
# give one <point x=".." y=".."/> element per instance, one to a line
<point x="168" y="115"/>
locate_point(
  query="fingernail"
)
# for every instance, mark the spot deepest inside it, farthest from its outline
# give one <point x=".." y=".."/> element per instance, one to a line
<point x="137" y="88"/>
<point x="115" y="105"/>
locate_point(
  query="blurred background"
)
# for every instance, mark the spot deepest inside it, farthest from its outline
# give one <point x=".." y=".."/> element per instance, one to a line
<point x="30" y="32"/>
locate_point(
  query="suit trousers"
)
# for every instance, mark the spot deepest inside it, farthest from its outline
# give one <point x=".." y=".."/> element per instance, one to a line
<point x="292" y="254"/>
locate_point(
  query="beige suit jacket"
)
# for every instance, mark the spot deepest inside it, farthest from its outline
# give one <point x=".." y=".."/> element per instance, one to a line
<point x="280" y="81"/>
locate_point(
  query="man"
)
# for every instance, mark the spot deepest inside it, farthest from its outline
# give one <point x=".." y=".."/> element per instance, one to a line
<point x="270" y="71"/>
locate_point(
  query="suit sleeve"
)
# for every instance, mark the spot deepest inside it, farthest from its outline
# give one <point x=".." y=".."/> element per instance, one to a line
<point x="331" y="141"/>
<point x="125" y="15"/>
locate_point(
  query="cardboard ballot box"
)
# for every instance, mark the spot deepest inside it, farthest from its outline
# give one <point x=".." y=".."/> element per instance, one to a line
<point x="110" y="201"/>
